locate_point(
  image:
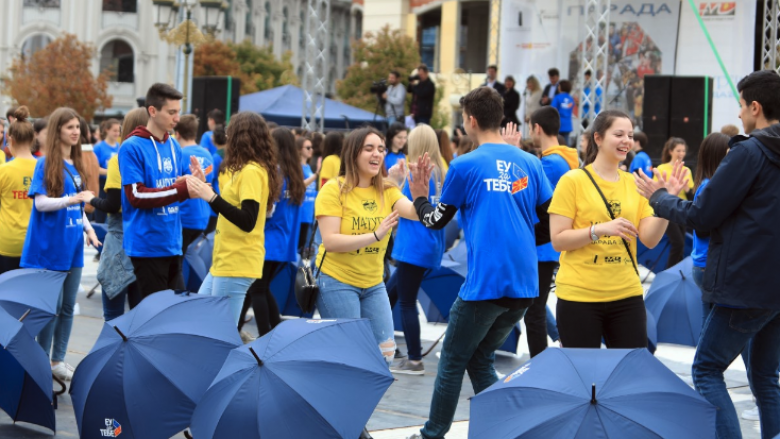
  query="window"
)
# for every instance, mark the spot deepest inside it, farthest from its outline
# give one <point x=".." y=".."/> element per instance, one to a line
<point x="127" y="6"/>
<point x="285" y="29"/>
<point x="358" y="25"/>
<point x="118" y="60"/>
<point x="474" y="34"/>
<point x="34" y="44"/>
<point x="249" y="27"/>
<point x="428" y="38"/>
<point x="41" y="3"/>
<point x="268" y="32"/>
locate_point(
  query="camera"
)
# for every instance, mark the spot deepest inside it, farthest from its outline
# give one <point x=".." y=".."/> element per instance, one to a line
<point x="379" y="87"/>
<point x="414" y="78"/>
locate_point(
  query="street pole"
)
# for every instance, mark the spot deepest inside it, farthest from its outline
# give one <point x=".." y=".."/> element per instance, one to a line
<point x="187" y="51"/>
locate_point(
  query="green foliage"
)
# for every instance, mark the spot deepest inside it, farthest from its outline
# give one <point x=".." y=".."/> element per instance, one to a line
<point x="441" y="113"/>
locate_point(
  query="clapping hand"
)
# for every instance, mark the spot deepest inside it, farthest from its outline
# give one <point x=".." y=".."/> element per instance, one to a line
<point x="673" y="184"/>
<point x="199" y="189"/>
<point x="397" y="172"/>
<point x="420" y="176"/>
<point x="511" y="134"/>
<point x="196" y="170"/>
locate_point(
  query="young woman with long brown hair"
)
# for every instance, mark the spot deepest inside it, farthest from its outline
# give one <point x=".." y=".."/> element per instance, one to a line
<point x="281" y="232"/>
<point x="251" y="184"/>
<point x="59" y="222"/>
<point x="15" y="179"/>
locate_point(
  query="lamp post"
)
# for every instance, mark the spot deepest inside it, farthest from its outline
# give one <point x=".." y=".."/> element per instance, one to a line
<point x="187" y="33"/>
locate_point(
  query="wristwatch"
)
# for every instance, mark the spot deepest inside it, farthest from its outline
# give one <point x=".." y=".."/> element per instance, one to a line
<point x="593" y="236"/>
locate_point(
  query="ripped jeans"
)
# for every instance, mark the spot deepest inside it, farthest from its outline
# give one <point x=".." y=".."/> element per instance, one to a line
<point x="338" y="300"/>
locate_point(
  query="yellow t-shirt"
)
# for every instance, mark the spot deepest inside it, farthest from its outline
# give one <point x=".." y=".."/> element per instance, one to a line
<point x="601" y="271"/>
<point x="236" y="252"/>
<point x="113" y="177"/>
<point x="360" y="212"/>
<point x="2" y="156"/>
<point x="15" y="206"/>
<point x="668" y="168"/>
<point x="330" y="169"/>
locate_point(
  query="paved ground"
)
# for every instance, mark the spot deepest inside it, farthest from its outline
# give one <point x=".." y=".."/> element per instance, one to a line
<point x="404" y="407"/>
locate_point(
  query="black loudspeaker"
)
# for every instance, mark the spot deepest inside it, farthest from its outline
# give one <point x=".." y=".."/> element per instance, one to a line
<point x="677" y="107"/>
<point x="211" y="92"/>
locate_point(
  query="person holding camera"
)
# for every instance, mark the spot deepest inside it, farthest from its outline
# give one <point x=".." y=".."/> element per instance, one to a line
<point x="423" y="89"/>
<point x="395" y="98"/>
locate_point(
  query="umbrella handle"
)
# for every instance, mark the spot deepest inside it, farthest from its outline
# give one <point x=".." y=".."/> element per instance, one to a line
<point x="187" y="434"/>
<point x="433" y="345"/>
<point x="63" y="387"/>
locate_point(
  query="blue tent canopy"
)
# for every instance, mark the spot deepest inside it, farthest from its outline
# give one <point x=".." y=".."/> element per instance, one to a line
<point x="283" y="105"/>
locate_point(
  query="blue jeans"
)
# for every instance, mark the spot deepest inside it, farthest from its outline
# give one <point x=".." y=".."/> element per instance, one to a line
<point x="698" y="279"/>
<point x="726" y="333"/>
<point x="234" y="288"/>
<point x="474" y="332"/>
<point x="60" y="326"/>
<point x="404" y="285"/>
<point x="113" y="308"/>
<point x="338" y="300"/>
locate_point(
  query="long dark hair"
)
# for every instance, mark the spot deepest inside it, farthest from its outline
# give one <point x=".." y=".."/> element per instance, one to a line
<point x="666" y="154"/>
<point x="39" y="126"/>
<point x="333" y="143"/>
<point x="249" y="140"/>
<point x="445" y="146"/>
<point x="394" y="130"/>
<point x="600" y="125"/>
<point x="54" y="157"/>
<point x="289" y="163"/>
<point x="712" y="150"/>
<point x="316" y="148"/>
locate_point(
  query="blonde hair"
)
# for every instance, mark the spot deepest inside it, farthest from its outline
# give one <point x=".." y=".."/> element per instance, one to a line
<point x="423" y="140"/>
<point x="535" y="85"/>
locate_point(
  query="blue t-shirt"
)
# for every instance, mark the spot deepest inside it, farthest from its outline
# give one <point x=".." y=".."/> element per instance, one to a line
<point x="554" y="167"/>
<point x="498" y="187"/>
<point x="195" y="212"/>
<point x="307" y="210"/>
<point x="700" y="245"/>
<point x="416" y="244"/>
<point x="217" y="159"/>
<point x="642" y="161"/>
<point x="207" y="142"/>
<point x="103" y="151"/>
<point x="150" y="233"/>
<point x="392" y="158"/>
<point x="56" y="241"/>
<point x="281" y="229"/>
<point x="564" y="103"/>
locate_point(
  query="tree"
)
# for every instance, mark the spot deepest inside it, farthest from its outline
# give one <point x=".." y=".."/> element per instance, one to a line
<point x="375" y="55"/>
<point x="257" y="67"/>
<point x="59" y="75"/>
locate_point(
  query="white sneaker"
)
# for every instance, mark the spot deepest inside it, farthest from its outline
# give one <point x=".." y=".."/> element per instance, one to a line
<point x="246" y="337"/>
<point x="501" y="376"/>
<point x="751" y="415"/>
<point x="63" y="371"/>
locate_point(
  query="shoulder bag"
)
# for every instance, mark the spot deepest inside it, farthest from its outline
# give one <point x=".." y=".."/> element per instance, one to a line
<point x="306" y="289"/>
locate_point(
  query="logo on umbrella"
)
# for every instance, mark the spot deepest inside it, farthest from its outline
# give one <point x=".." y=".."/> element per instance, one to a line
<point x="518" y="372"/>
<point x="113" y="429"/>
<point x="320" y="321"/>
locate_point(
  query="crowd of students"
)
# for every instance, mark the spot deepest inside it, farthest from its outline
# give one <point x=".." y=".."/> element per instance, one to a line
<point x="269" y="193"/>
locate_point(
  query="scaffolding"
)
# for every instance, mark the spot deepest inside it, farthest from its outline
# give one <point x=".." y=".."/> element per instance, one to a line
<point x="315" y="65"/>
<point x="595" y="58"/>
<point x="771" y="43"/>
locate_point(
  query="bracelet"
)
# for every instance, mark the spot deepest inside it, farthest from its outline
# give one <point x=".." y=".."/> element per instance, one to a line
<point x="377" y="238"/>
<point x="214" y="197"/>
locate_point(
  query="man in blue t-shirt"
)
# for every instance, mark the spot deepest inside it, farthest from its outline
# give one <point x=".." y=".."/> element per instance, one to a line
<point x="215" y="117"/>
<point x="641" y="159"/>
<point x="556" y="161"/>
<point x="500" y="190"/>
<point x="150" y="166"/>
<point x="564" y="103"/>
<point x="194" y="213"/>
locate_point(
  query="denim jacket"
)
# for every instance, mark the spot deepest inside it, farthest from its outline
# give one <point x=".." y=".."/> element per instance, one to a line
<point x="115" y="271"/>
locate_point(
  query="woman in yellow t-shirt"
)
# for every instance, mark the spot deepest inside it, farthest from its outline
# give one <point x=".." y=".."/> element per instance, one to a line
<point x="15" y="179"/>
<point x="250" y="186"/>
<point x="598" y="287"/>
<point x="674" y="151"/>
<point x="331" y="163"/>
<point x="356" y="213"/>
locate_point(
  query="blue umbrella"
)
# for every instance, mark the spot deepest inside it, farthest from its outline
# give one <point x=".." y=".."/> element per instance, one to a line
<point x="150" y="367"/>
<point x="654" y="259"/>
<point x="304" y="379"/>
<point x="197" y="261"/>
<point x="591" y="393"/>
<point x="34" y="291"/>
<point x="652" y="333"/>
<point x="674" y="300"/>
<point x="25" y="375"/>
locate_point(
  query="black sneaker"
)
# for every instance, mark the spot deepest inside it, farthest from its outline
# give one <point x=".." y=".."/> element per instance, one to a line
<point x="365" y="434"/>
<point x="398" y="354"/>
<point x="406" y="367"/>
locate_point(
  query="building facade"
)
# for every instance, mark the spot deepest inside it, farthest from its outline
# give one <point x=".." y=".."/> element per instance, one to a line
<point x="129" y="45"/>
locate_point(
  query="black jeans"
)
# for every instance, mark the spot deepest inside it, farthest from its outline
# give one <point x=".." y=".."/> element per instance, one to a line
<point x="676" y="234"/>
<point x="622" y="323"/>
<point x="536" y="316"/>
<point x="188" y="236"/>
<point x="8" y="263"/>
<point x="404" y="284"/>
<point x="157" y="274"/>
<point x="259" y="296"/>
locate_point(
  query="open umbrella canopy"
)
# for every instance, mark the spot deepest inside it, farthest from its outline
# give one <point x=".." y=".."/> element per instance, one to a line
<point x="591" y="393"/>
<point x="25" y="375"/>
<point x="150" y="367"/>
<point x="304" y="379"/>
<point x="33" y="290"/>
<point x="197" y="261"/>
<point x="674" y="300"/>
<point x="652" y="333"/>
